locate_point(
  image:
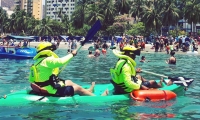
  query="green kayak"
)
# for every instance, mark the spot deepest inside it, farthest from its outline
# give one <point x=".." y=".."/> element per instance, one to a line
<point x="24" y="97"/>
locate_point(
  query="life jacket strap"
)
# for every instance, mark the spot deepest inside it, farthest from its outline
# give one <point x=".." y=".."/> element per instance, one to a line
<point x="119" y="88"/>
<point x="53" y="80"/>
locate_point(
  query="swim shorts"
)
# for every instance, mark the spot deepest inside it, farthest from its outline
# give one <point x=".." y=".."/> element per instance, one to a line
<point x="146" y="83"/>
<point x="65" y="91"/>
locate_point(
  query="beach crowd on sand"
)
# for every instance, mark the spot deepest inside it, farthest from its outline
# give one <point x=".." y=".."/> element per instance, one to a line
<point x="180" y="44"/>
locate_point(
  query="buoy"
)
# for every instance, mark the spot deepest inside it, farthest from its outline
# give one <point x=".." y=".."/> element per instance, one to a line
<point x="152" y="95"/>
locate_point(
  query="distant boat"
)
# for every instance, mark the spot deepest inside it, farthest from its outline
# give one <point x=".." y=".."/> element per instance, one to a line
<point x="16" y="52"/>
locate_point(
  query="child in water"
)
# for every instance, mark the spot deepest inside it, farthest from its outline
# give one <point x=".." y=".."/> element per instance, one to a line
<point x="90" y="54"/>
<point x="143" y="59"/>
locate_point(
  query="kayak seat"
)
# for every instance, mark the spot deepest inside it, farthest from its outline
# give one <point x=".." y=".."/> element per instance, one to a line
<point x="37" y="89"/>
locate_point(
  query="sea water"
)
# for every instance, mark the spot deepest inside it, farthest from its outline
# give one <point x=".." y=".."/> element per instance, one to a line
<point x="83" y="70"/>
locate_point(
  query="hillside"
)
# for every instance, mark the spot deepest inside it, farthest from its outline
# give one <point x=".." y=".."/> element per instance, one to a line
<point x="7" y="3"/>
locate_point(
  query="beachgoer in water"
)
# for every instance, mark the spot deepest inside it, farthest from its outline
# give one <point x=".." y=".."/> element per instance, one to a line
<point x="143" y="59"/>
<point x="90" y="55"/>
<point x="97" y="51"/>
<point x="103" y="51"/>
<point x="172" y="59"/>
<point x="68" y="51"/>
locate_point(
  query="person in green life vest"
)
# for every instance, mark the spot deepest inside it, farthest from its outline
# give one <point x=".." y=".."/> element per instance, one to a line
<point x="124" y="77"/>
<point x="45" y="70"/>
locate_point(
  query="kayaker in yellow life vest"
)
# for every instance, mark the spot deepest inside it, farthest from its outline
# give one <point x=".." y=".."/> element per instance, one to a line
<point x="124" y="76"/>
<point x="46" y="68"/>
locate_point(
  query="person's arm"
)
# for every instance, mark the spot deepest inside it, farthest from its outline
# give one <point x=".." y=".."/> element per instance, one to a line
<point x="138" y="70"/>
<point x="58" y="62"/>
<point x="126" y="75"/>
<point x="167" y="61"/>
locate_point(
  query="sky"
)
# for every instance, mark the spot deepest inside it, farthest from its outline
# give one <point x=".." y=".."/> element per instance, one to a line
<point x="43" y="2"/>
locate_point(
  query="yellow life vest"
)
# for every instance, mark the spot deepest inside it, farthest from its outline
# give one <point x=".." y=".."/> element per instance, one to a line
<point x="33" y="77"/>
<point x="116" y="72"/>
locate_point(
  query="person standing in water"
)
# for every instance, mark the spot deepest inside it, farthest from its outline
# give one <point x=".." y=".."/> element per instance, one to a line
<point x="172" y="59"/>
<point x="90" y="55"/>
<point x="97" y="51"/>
<point x="104" y="48"/>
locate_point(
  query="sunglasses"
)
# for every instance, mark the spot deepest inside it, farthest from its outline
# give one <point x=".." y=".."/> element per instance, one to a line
<point x="136" y="52"/>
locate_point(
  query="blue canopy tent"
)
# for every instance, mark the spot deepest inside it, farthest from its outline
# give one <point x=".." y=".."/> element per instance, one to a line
<point x="63" y="37"/>
<point x="118" y="38"/>
<point x="37" y="38"/>
<point x="78" y="38"/>
<point x="46" y="38"/>
<point x="19" y="37"/>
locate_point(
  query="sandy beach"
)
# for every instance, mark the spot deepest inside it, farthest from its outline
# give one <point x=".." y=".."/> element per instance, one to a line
<point x="64" y="45"/>
<point x="148" y="47"/>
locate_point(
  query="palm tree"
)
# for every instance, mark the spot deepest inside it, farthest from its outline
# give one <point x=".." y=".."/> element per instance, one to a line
<point x="31" y="26"/>
<point x="10" y="25"/>
<point x="152" y="15"/>
<point x="192" y="12"/>
<point x="93" y="14"/>
<point x="65" y="23"/>
<point x="78" y="16"/>
<point x="123" y="6"/>
<point x="21" y="21"/>
<point x="44" y="28"/>
<point x="137" y="9"/>
<point x="170" y="13"/>
<point x="3" y="18"/>
<point x="108" y="10"/>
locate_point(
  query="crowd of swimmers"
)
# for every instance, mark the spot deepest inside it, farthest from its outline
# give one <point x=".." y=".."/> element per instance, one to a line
<point x="183" y="43"/>
<point x="99" y="47"/>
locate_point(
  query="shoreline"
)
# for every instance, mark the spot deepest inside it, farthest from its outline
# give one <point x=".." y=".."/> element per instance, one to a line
<point x="147" y="49"/>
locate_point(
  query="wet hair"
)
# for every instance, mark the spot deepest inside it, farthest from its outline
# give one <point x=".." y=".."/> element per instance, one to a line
<point x="97" y="46"/>
<point x="172" y="52"/>
<point x="90" y="52"/>
<point x="142" y="57"/>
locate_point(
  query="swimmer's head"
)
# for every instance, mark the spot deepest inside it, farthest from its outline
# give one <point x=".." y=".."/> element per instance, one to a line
<point x="90" y="52"/>
<point x="143" y="57"/>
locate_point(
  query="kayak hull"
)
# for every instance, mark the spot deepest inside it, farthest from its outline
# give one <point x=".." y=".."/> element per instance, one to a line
<point x="23" y="97"/>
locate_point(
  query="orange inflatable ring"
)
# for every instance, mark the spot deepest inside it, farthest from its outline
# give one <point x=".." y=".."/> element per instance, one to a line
<point x="152" y="95"/>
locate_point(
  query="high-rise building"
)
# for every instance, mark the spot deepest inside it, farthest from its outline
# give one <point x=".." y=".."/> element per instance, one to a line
<point x="33" y="7"/>
<point x="55" y="8"/>
<point x="37" y="9"/>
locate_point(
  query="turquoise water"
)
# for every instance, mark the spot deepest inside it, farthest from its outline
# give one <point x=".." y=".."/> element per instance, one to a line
<point x="82" y="70"/>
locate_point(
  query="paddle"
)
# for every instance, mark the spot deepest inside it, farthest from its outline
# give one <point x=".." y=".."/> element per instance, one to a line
<point x="91" y="33"/>
<point x="183" y="81"/>
<point x="93" y="30"/>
